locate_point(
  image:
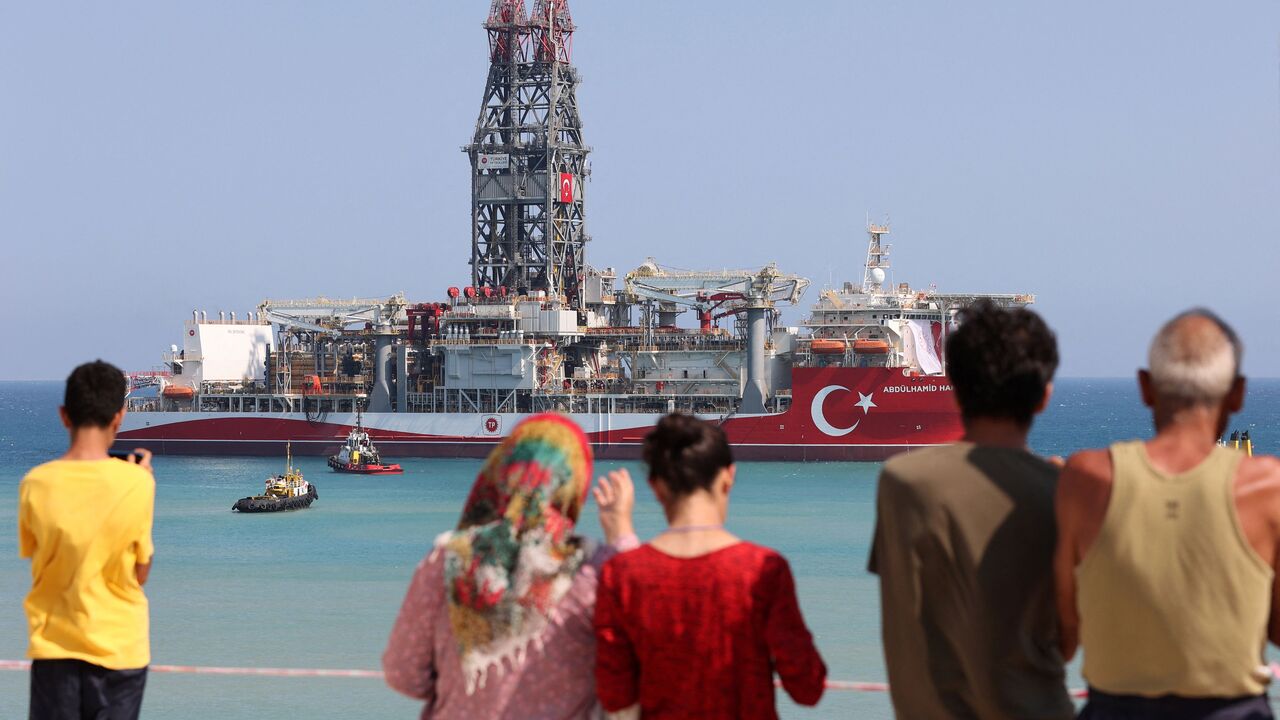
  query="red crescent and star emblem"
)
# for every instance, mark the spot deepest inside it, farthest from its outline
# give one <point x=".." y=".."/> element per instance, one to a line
<point x="819" y="416"/>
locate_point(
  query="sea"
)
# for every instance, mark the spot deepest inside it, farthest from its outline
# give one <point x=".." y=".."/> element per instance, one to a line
<point x="320" y="588"/>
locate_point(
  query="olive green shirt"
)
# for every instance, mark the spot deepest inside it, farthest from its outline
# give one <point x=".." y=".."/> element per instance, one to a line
<point x="964" y="546"/>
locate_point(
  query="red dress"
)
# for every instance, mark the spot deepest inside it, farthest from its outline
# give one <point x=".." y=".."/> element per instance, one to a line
<point x="702" y="637"/>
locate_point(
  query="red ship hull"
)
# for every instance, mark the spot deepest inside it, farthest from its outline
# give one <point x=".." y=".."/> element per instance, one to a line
<point x="837" y="414"/>
<point x="352" y="469"/>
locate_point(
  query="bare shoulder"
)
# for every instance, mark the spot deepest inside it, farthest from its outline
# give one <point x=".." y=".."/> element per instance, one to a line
<point x="1261" y="466"/>
<point x="1087" y="470"/>
<point x="1258" y="480"/>
<point x="1084" y="485"/>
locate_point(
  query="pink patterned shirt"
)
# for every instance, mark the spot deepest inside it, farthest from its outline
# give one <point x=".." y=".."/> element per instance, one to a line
<point x="421" y="659"/>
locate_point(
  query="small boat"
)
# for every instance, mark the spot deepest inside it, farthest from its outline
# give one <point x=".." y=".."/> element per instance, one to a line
<point x="288" y="491"/>
<point x="358" y="455"/>
<point x="1239" y="441"/>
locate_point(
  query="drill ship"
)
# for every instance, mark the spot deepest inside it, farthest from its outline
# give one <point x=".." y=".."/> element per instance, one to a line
<point x="539" y="329"/>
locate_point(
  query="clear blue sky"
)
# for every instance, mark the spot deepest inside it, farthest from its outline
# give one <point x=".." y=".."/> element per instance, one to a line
<point x="1119" y="159"/>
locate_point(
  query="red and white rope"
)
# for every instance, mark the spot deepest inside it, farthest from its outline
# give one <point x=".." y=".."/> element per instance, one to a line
<point x="24" y="665"/>
<point x="214" y="670"/>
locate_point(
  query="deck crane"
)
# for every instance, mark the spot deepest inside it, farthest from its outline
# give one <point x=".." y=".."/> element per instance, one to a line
<point x="751" y="293"/>
<point x="328" y="317"/>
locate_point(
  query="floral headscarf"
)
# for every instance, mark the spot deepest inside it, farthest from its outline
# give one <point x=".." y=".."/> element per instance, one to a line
<point x="513" y="555"/>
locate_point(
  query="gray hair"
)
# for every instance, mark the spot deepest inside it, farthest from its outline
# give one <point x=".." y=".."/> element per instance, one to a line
<point x="1195" y="358"/>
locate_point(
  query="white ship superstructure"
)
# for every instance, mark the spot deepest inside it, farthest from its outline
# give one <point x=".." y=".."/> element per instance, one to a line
<point x="877" y="324"/>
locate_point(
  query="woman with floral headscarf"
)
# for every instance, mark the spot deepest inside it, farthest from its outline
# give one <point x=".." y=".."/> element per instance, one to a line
<point x="497" y="621"/>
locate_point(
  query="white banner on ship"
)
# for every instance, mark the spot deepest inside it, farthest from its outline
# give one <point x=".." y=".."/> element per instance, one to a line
<point x="921" y="349"/>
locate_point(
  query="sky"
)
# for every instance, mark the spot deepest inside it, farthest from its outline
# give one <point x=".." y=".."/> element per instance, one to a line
<point x="1120" y="160"/>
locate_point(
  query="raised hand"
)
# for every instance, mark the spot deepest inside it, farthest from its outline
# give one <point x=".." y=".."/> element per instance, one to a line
<point x="141" y="456"/>
<point x="616" y="496"/>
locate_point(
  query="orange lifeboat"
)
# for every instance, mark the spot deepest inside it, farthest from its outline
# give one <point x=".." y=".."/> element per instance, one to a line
<point x="871" y="347"/>
<point x="825" y="346"/>
<point x="178" y="392"/>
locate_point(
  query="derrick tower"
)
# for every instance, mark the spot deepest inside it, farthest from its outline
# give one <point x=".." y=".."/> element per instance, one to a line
<point x="528" y="161"/>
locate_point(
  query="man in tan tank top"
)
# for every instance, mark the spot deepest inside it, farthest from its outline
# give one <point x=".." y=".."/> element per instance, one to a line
<point x="1166" y="548"/>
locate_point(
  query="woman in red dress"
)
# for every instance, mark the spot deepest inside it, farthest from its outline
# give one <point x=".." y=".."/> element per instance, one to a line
<point x="696" y="623"/>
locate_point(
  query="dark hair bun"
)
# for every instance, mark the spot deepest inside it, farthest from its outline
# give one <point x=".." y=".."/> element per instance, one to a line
<point x="686" y="453"/>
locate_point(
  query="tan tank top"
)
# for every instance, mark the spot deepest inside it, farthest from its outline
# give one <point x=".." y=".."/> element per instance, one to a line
<point x="1172" y="598"/>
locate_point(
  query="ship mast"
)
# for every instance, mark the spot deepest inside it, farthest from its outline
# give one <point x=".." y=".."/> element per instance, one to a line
<point x="877" y="259"/>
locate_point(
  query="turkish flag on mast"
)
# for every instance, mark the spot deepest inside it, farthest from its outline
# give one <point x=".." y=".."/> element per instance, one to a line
<point x="566" y="187"/>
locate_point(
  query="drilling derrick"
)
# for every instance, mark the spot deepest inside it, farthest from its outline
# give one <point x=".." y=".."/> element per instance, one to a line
<point x="528" y="162"/>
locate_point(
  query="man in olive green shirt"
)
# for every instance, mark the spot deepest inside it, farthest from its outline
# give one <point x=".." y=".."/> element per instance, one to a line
<point x="964" y="540"/>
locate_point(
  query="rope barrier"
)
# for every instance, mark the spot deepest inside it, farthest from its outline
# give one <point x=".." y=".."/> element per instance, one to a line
<point x="847" y="685"/>
<point x="23" y="665"/>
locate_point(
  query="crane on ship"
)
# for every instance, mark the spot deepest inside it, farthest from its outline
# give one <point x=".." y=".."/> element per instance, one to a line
<point x="753" y="294"/>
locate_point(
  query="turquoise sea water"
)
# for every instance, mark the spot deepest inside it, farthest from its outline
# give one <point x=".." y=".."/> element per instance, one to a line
<point x="320" y="588"/>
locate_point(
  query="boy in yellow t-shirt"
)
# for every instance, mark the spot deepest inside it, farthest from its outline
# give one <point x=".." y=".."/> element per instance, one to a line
<point x="85" y="522"/>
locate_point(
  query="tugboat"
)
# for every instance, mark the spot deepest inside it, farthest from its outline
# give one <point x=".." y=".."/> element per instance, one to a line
<point x="358" y="455"/>
<point x="288" y="491"/>
<point x="1239" y="441"/>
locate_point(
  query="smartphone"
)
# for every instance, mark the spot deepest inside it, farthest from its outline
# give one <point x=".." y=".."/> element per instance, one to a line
<point x="125" y="456"/>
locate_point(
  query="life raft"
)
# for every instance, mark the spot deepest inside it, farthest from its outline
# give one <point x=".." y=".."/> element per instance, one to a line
<point x="871" y="347"/>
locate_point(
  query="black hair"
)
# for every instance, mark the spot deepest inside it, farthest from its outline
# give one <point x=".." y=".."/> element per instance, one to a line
<point x="1001" y="361"/>
<point x="686" y="453"/>
<point x="95" y="393"/>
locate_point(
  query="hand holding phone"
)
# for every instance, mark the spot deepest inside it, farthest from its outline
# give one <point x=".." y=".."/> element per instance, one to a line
<point x="139" y="456"/>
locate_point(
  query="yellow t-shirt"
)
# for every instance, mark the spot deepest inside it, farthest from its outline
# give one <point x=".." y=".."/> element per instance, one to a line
<point x="85" y="524"/>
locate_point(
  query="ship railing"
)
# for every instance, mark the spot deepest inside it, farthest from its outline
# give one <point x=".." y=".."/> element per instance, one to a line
<point x="613" y="399"/>
<point x="144" y="404"/>
<point x="464" y="400"/>
<point x="486" y="341"/>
